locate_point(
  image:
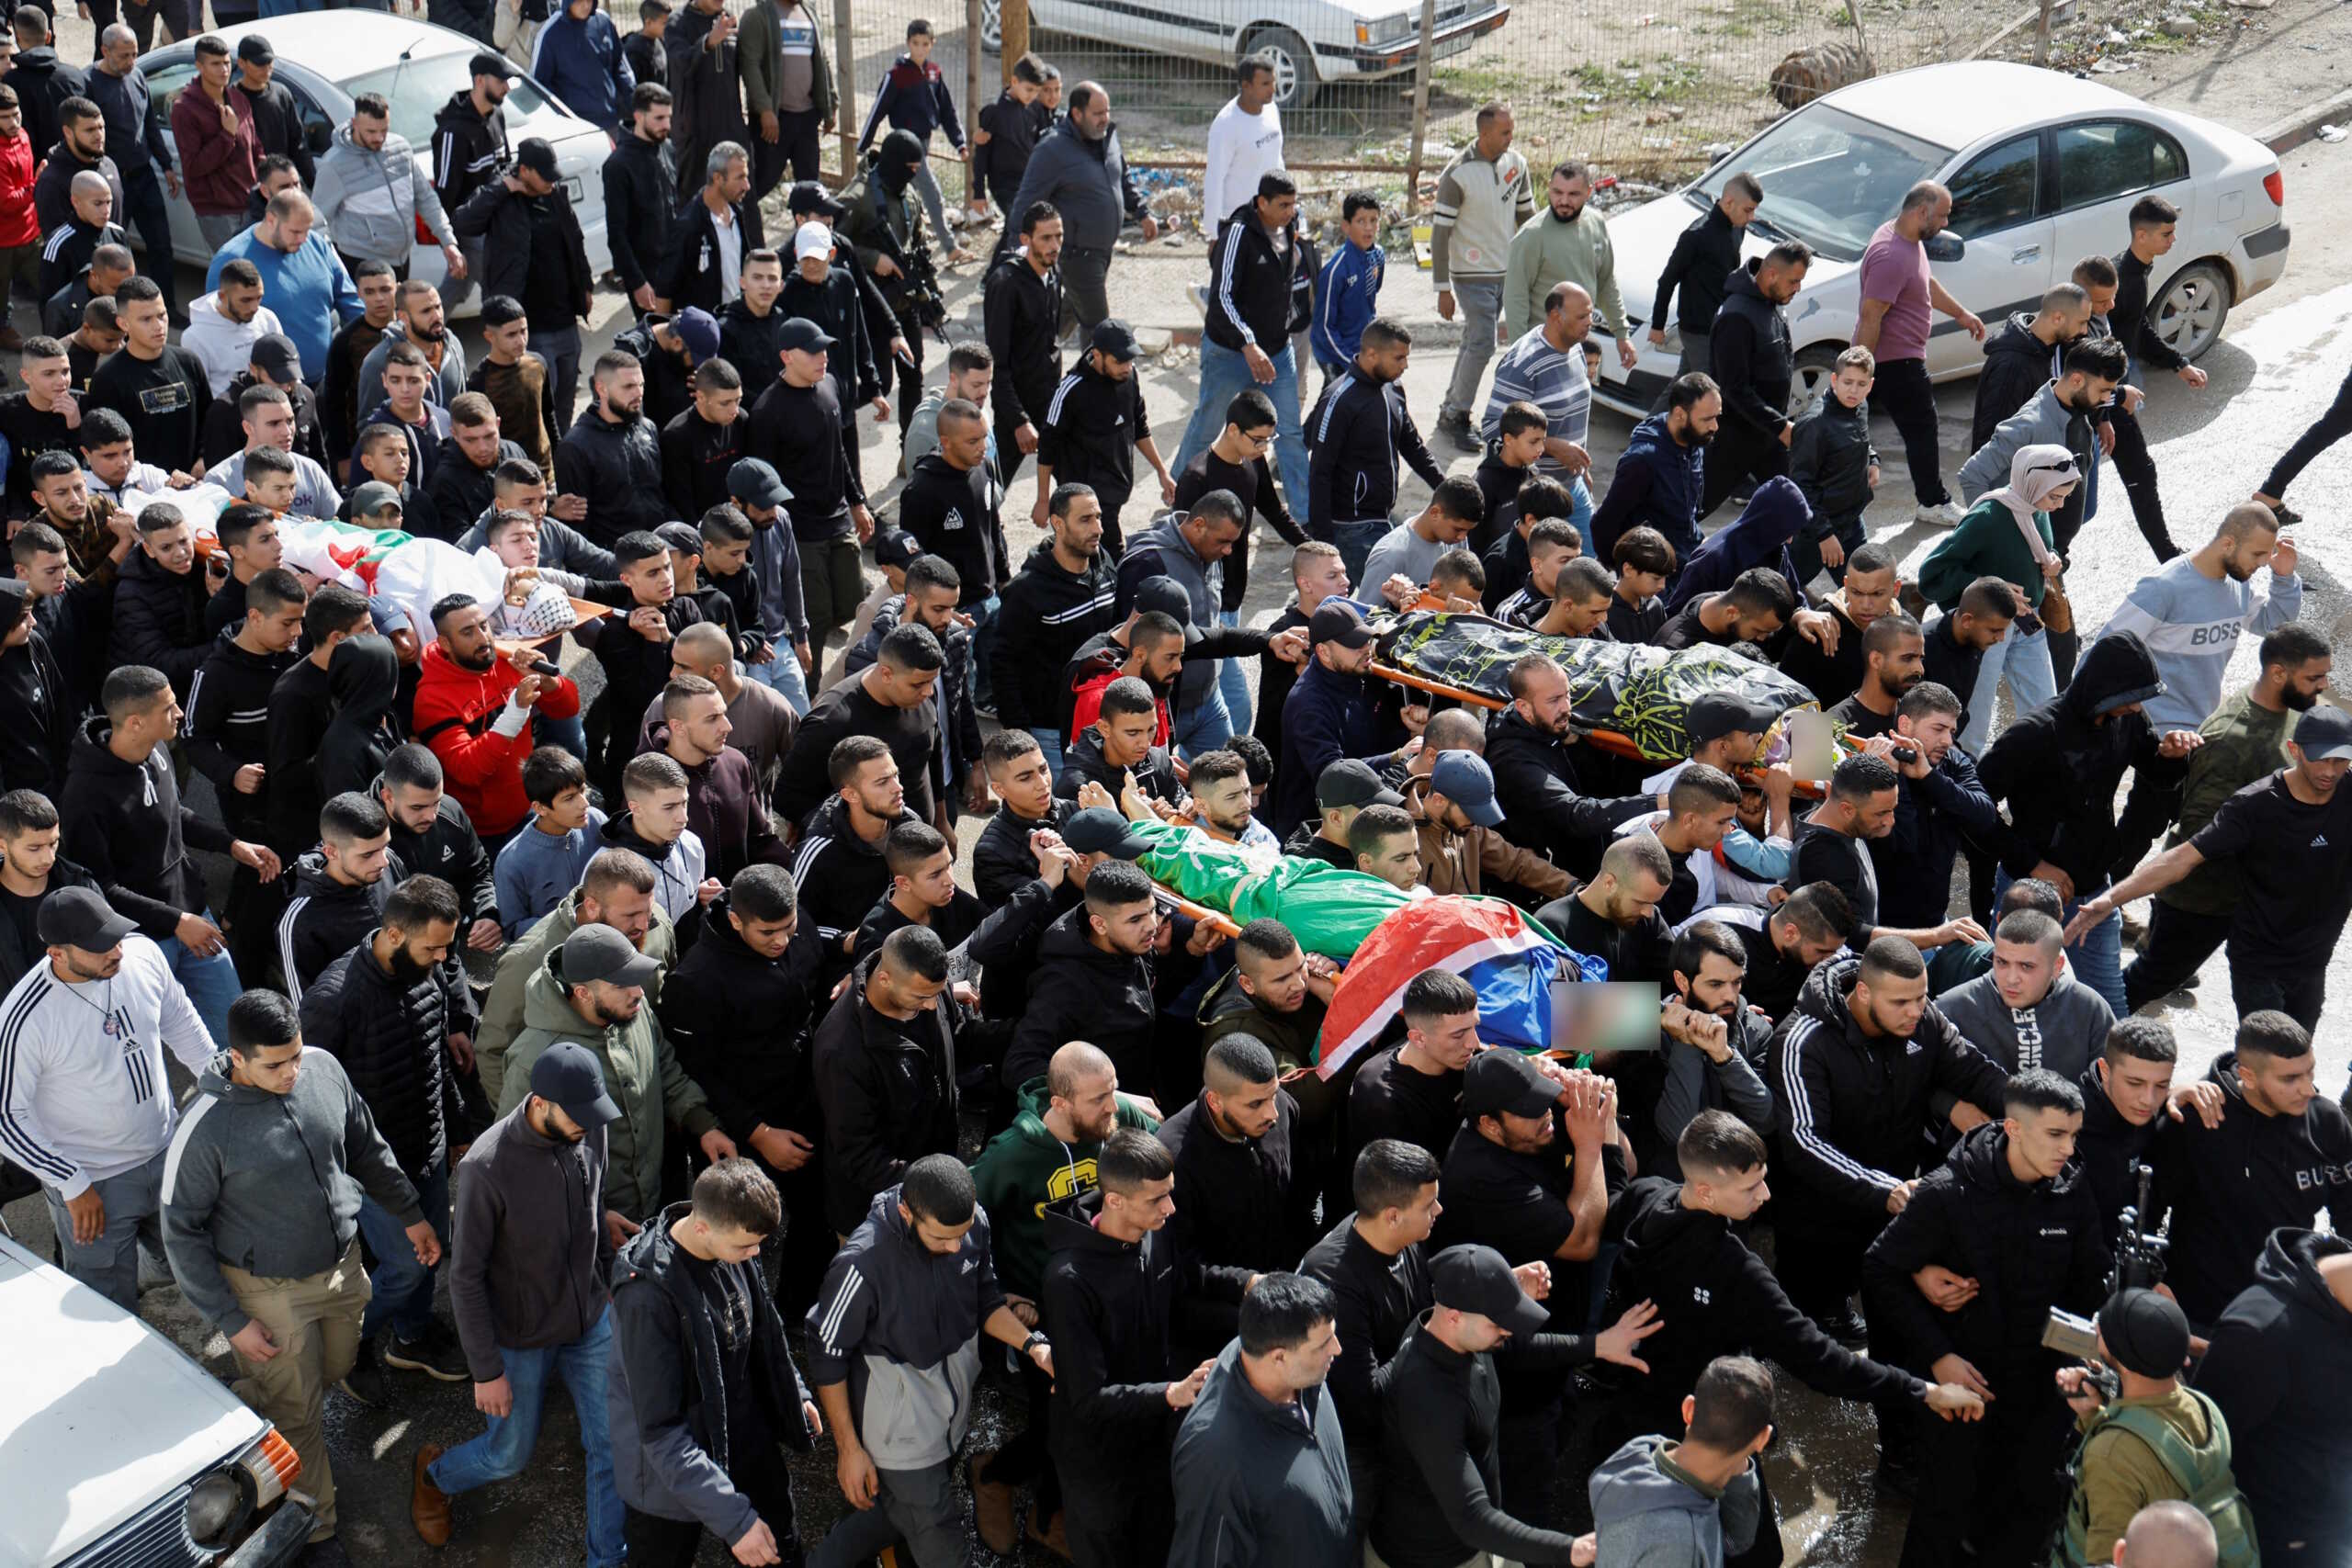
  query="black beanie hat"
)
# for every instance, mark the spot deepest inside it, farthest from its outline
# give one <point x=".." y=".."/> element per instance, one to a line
<point x="2145" y="1333"/>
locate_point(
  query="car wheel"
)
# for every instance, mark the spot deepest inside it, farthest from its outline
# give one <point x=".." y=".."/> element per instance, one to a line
<point x="2190" y="313"/>
<point x="1814" y="366"/>
<point x="991" y="26"/>
<point x="1295" y="83"/>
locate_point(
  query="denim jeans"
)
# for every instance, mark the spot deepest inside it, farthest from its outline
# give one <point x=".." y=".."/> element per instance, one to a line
<point x="1234" y="681"/>
<point x="210" y="983"/>
<point x="561" y="351"/>
<point x="1355" y="541"/>
<point x="1480" y="305"/>
<point x="1049" y="741"/>
<point x="784" y="675"/>
<point x="1225" y="376"/>
<point x="499" y="1453"/>
<point x="402" y="1286"/>
<point x="1206" y="727"/>
<point x="2025" y="659"/>
<point x="2097" y="959"/>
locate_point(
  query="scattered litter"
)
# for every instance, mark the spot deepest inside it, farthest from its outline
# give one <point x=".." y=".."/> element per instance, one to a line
<point x="2331" y="133"/>
<point x="2115" y="36"/>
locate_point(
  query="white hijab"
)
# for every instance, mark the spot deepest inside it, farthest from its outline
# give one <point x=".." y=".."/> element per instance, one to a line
<point x="2034" y="474"/>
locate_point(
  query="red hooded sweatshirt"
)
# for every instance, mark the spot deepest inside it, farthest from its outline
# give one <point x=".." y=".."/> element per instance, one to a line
<point x="19" y="223"/>
<point x="455" y="714"/>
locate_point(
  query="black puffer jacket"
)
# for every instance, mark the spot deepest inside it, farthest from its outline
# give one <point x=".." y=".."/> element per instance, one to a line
<point x="2029" y="1246"/>
<point x="887" y="1092"/>
<point x="1753" y="360"/>
<point x="390" y="1037"/>
<point x="1855" y="1106"/>
<point x="159" y="620"/>
<point x="2081" y="739"/>
<point x="499" y="221"/>
<point x="740" y="1024"/>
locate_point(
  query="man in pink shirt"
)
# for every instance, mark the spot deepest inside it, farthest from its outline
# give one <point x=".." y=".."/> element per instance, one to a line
<point x="1897" y="292"/>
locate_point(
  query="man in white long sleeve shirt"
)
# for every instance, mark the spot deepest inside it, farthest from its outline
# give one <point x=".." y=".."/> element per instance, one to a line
<point x="85" y="1103"/>
<point x="1245" y="142"/>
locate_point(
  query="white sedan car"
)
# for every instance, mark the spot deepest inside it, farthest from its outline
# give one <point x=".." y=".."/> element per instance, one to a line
<point x="2044" y="169"/>
<point x="326" y="59"/>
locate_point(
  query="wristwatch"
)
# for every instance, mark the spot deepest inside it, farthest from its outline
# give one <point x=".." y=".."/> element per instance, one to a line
<point x="1037" y="1337"/>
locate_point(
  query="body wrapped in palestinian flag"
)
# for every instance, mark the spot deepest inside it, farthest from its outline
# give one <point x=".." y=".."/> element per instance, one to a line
<point x="1625" y="689"/>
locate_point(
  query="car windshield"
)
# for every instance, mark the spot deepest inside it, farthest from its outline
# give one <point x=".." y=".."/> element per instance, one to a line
<point x="423" y="85"/>
<point x="1830" y="179"/>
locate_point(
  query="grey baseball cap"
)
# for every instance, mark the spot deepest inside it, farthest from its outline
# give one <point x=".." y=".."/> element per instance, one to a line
<point x="600" y="952"/>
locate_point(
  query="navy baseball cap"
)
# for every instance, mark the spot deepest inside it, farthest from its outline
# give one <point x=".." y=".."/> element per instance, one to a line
<point x="567" y="1077"/>
<point x="2324" y="733"/>
<point x="1463" y="778"/>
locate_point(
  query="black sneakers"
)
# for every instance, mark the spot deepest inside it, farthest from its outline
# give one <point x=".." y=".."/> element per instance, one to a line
<point x="365" y="1381"/>
<point x="436" y="1353"/>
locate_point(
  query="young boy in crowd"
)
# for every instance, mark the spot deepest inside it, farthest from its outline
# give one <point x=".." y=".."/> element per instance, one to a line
<point x="544" y="861"/>
<point x="1347" y="295"/>
<point x="383" y="456"/>
<point x="922" y="892"/>
<point x="653" y="823"/>
<point x="634" y="646"/>
<point x="713" y="603"/>
<point x="914" y="98"/>
<point x="726" y="568"/>
<point x="1004" y="135"/>
<point x="1644" y="561"/>
<point x="1833" y="462"/>
<point x="99" y="335"/>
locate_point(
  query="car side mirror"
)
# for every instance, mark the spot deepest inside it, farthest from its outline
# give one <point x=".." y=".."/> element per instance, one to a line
<point x="322" y="137"/>
<point x="1945" y="247"/>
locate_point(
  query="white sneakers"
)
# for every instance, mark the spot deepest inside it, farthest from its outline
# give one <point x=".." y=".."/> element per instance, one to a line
<point x="1948" y="515"/>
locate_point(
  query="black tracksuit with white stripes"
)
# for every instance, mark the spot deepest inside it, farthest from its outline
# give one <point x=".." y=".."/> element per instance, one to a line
<point x="1855" y="1126"/>
<point x="840" y="878"/>
<point x="1356" y="434"/>
<point x="1089" y="436"/>
<point x="1046" y="613"/>
<point x="1250" y="283"/>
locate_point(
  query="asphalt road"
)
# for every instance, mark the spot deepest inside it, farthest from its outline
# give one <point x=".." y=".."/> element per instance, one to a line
<point x="2279" y="366"/>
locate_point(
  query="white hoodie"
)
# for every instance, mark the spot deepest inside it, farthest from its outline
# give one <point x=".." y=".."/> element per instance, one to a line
<point x="226" y="347"/>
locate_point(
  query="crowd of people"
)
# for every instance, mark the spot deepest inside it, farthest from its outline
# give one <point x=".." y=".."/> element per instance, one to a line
<point x="779" y="1123"/>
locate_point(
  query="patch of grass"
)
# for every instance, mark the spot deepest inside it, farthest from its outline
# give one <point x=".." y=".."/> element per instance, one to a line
<point x="1748" y="18"/>
<point x="1634" y="81"/>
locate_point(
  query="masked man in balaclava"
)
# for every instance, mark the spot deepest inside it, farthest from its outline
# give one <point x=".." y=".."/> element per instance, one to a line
<point x="884" y="222"/>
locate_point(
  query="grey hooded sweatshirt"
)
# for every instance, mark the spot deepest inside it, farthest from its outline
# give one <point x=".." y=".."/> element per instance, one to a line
<point x="1650" y="1516"/>
<point x="271" y="1183"/>
<point x="370" y="201"/>
<point x="2065" y="1031"/>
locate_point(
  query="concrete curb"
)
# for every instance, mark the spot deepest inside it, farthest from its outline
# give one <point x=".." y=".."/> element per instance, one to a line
<point x="2292" y="130"/>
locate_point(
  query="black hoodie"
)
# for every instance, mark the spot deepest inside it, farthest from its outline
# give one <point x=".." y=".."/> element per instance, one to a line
<point x="1752" y="358"/>
<point x="1250" y="277"/>
<point x="1109" y="1305"/>
<point x="641" y="209"/>
<point x="37" y="709"/>
<point x="841" y="876"/>
<point x="469" y="152"/>
<point x="42" y="82"/>
<point x="125" y="823"/>
<point x="363" y="678"/>
<point x="1717" y="1298"/>
<point x="739" y="1025"/>
<point x="2228" y="1187"/>
<point x="325" y="919"/>
<point x="2017" y="365"/>
<point x="450" y="850"/>
<point x="1536" y="782"/>
<point x="1083" y="761"/>
<point x="857" y="361"/>
<point x="2106" y="1149"/>
<point x="2029" y="1246"/>
<point x="1855" y="1106"/>
<point x="228" y="726"/>
<point x="2280" y="1360"/>
<point x="2073" y="828"/>
<point x="1245" y="1201"/>
<point x="953" y="513"/>
<point x="1080" y="992"/>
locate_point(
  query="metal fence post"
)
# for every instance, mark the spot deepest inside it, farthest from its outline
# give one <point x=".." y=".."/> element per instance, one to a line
<point x="1422" y="64"/>
<point x="1012" y="34"/>
<point x="845" y="87"/>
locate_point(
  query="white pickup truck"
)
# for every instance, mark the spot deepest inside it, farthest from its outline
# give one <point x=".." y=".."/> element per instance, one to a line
<point x="119" y="1451"/>
<point x="1311" y="42"/>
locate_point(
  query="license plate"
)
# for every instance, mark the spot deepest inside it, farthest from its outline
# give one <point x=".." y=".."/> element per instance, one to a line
<point x="1458" y="44"/>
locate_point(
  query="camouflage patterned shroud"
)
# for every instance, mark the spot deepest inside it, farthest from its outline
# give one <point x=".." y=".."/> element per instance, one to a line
<point x="1638" y="692"/>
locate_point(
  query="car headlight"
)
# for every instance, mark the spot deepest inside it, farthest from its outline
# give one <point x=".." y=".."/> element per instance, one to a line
<point x="218" y="1507"/>
<point x="1388" y="29"/>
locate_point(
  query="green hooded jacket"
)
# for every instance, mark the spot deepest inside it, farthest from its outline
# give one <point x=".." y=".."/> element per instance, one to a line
<point x="502" y="1010"/>
<point x="1024" y="1168"/>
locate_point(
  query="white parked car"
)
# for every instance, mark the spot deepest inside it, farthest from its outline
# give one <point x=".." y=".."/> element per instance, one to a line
<point x="326" y="59"/>
<point x="1311" y="42"/>
<point x="2044" y="168"/>
<point x="119" y="1449"/>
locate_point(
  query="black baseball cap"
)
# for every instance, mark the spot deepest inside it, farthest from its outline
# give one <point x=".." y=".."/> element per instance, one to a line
<point x="77" y="917"/>
<point x="1115" y="338"/>
<point x="682" y="537"/>
<point x="896" y="547"/>
<point x="2324" y="733"/>
<point x="1335" y="620"/>
<point x="804" y="334"/>
<point x="537" y="154"/>
<point x="567" y="1075"/>
<point x="1717" y="714"/>
<point x="810" y="196"/>
<point x="1165" y="595"/>
<point x="255" y="49"/>
<point x="486" y="62"/>
<point x="1475" y="1279"/>
<point x="1349" y="782"/>
<point x="277" y="356"/>
<point x="754" y="480"/>
<point x="1503" y="1080"/>
<point x="1097" y="829"/>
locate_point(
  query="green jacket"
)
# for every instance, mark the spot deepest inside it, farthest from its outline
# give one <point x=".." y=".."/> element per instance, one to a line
<point x="1024" y="1168"/>
<point x="1986" y="544"/>
<point x="1545" y="253"/>
<point x="2242" y="745"/>
<point x="641" y="1074"/>
<point x="502" y="1010"/>
<point x="2173" y="1447"/>
<point x="759" y="57"/>
<point x="871" y="219"/>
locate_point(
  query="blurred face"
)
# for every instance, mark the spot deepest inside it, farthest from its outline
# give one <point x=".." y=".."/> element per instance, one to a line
<point x="624" y="908"/>
<point x="1025" y="783"/>
<point x="1092" y="1107"/>
<point x="876" y="789"/>
<point x="1396" y="859"/>
<point x="1247" y="1111"/>
<point x="2137" y="1088"/>
<point x="767" y="938"/>
<point x="1127" y="739"/>
<point x="1447" y="1042"/>
<point x="1892" y="1004"/>
<point x="2043" y="1141"/>
<point x="31" y="852"/>
<point x="2023" y="972"/>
